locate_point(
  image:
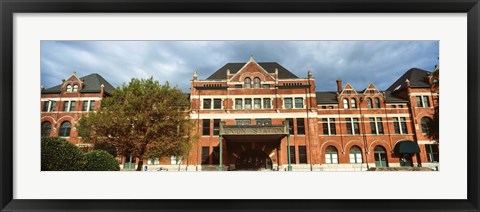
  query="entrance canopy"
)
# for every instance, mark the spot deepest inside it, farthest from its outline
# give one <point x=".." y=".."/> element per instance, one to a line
<point x="407" y="147"/>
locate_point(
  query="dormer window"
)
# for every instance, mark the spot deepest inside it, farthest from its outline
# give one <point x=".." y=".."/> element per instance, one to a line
<point x="248" y="82"/>
<point x="75" y="88"/>
<point x="256" y="82"/>
<point x="69" y="88"/>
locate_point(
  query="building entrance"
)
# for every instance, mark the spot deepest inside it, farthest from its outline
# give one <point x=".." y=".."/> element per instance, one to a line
<point x="253" y="160"/>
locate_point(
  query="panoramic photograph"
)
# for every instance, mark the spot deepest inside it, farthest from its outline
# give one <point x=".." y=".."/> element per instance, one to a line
<point x="266" y="105"/>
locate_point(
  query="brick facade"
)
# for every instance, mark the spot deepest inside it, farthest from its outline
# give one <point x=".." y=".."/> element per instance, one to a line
<point x="342" y="130"/>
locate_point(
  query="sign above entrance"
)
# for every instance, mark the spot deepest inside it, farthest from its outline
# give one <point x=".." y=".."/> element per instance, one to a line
<point x="253" y="129"/>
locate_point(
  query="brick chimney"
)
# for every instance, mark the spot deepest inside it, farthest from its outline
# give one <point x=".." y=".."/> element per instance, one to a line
<point x="339" y="85"/>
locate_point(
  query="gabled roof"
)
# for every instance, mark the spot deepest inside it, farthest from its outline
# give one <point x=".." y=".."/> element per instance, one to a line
<point x="327" y="97"/>
<point x="270" y="67"/>
<point x="417" y="77"/>
<point x="92" y="84"/>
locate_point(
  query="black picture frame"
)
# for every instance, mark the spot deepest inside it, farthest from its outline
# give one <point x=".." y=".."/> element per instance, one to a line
<point x="9" y="7"/>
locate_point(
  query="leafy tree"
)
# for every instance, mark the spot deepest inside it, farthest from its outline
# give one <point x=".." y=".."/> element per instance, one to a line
<point x="57" y="154"/>
<point x="142" y="118"/>
<point x="100" y="160"/>
<point x="112" y="150"/>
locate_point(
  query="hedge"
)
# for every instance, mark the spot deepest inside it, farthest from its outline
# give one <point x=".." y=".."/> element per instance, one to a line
<point x="57" y="154"/>
<point x="100" y="160"/>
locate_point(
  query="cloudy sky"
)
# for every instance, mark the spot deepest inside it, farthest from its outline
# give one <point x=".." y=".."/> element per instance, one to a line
<point x="355" y="62"/>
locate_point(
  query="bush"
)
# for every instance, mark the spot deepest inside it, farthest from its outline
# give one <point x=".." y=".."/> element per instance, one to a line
<point x="100" y="160"/>
<point x="60" y="155"/>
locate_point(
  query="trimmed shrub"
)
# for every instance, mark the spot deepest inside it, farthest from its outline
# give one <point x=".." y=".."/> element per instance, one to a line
<point x="60" y="155"/>
<point x="100" y="160"/>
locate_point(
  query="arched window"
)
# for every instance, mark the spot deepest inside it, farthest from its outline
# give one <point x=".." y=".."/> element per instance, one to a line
<point x="65" y="129"/>
<point x="353" y="103"/>
<point x="380" y="156"/>
<point x="331" y="155"/>
<point x="369" y="103"/>
<point x="46" y="128"/>
<point x="256" y="82"/>
<point x="75" y="88"/>
<point x="355" y="154"/>
<point x="69" y="88"/>
<point x="345" y="103"/>
<point x="377" y="103"/>
<point x="248" y="83"/>
<point x="426" y="125"/>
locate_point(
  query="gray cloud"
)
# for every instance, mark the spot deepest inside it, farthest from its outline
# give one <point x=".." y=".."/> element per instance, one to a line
<point x="355" y="62"/>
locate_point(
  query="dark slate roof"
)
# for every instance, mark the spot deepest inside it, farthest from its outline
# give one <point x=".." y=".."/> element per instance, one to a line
<point x="393" y="99"/>
<point x="91" y="82"/>
<point x="270" y="67"/>
<point x="328" y="97"/>
<point x="417" y="78"/>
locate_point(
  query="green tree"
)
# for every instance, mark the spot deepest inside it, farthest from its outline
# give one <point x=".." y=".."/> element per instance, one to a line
<point x="100" y="160"/>
<point x="57" y="154"/>
<point x="142" y="118"/>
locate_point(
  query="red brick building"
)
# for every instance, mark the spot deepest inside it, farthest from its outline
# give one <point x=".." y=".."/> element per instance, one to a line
<point x="261" y="116"/>
<point x="63" y="105"/>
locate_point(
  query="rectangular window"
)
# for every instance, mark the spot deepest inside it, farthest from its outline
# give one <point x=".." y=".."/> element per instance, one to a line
<point x="206" y="127"/>
<point x="356" y="126"/>
<point x="404" y="125"/>
<point x="65" y="106"/>
<point x="257" y="103"/>
<point x="349" y="126"/>
<point x="263" y="122"/>
<point x="426" y="103"/>
<point x="238" y="86"/>
<point x="205" y="155"/>
<point x="376" y="126"/>
<point x="302" y="154"/>
<point x="288" y="103"/>
<point x="326" y="130"/>
<point x="266" y="86"/>
<point x="324" y="107"/>
<point x="238" y="104"/>
<point x="216" y="126"/>
<point x="333" y="130"/>
<point x="242" y="121"/>
<point x="45" y="106"/>
<point x="72" y="106"/>
<point x="92" y="105"/>
<point x="396" y="125"/>
<point x="248" y="103"/>
<point x="207" y="104"/>
<point x="85" y="105"/>
<point x="400" y="125"/>
<point x="432" y="152"/>
<point x="292" y="155"/>
<point x="290" y="126"/>
<point x="298" y="102"/>
<point x="419" y="101"/>
<point x="53" y="106"/>
<point x="267" y="103"/>
<point x="216" y="155"/>
<point x="217" y="104"/>
<point x="353" y="126"/>
<point x="300" y="126"/>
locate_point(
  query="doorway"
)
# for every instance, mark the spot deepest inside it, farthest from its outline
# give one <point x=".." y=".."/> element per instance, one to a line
<point x="253" y="160"/>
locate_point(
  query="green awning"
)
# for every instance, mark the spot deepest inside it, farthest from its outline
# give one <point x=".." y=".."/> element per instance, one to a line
<point x="407" y="147"/>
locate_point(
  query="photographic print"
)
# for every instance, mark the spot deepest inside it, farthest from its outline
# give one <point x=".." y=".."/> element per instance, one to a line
<point x="163" y="106"/>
